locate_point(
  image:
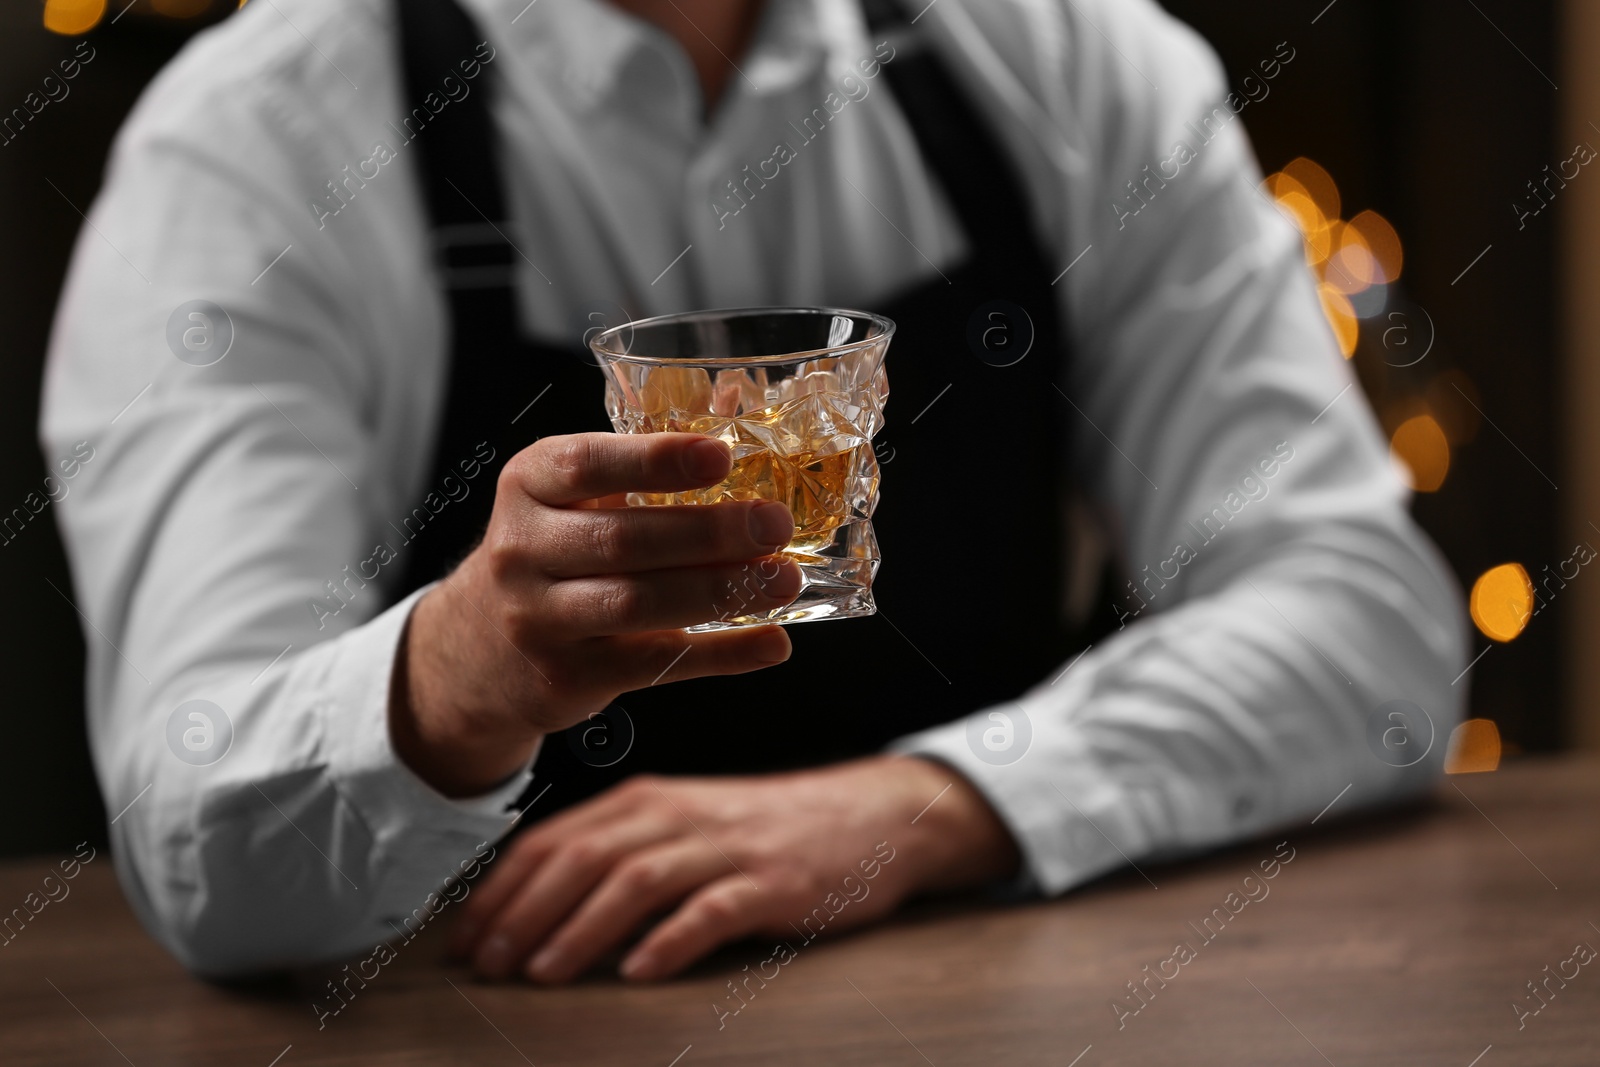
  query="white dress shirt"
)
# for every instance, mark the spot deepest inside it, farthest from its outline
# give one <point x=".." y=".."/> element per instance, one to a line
<point x="221" y="498"/>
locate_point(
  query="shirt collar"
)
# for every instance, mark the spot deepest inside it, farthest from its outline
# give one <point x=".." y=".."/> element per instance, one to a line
<point x="587" y="44"/>
<point x="789" y="45"/>
<point x="590" y="45"/>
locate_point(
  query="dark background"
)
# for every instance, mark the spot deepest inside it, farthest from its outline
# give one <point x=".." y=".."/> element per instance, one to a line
<point x="1422" y="111"/>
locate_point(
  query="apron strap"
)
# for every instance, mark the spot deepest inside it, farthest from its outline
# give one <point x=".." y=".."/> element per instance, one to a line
<point x="488" y="382"/>
<point x="460" y="171"/>
<point x="978" y="176"/>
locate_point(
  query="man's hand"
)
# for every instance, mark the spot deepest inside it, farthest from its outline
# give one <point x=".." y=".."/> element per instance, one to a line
<point x="725" y="858"/>
<point x="573" y="598"/>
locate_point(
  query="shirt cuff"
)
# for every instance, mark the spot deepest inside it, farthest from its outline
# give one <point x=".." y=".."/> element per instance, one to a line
<point x="419" y="834"/>
<point x="1071" y="821"/>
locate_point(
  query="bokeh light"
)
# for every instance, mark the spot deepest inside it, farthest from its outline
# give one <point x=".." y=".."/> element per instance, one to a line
<point x="1421" y="447"/>
<point x="1351" y="266"/>
<point x="1317" y="182"/>
<point x="1382" y="243"/>
<point x="1302" y="211"/>
<point x="73" y="17"/>
<point x="1354" y="261"/>
<point x="1280" y="185"/>
<point x="1297" y="204"/>
<point x="1502" y="601"/>
<point x="1474" y="748"/>
<point x="1341" y="316"/>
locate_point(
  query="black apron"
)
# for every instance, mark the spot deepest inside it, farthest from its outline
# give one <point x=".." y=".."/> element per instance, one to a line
<point x="971" y="587"/>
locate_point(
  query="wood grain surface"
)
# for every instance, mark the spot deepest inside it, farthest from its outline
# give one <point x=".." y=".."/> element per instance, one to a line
<point x="1405" y="938"/>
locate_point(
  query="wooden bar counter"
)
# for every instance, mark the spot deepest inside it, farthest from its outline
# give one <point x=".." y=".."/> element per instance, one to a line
<point x="1459" y="933"/>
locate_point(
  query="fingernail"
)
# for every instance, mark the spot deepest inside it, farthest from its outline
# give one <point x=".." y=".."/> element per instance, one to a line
<point x="495" y="958"/>
<point x="547" y="964"/>
<point x="636" y="965"/>
<point x="770" y="524"/>
<point x="786" y="576"/>
<point x="707" y="460"/>
<point x="773" y="647"/>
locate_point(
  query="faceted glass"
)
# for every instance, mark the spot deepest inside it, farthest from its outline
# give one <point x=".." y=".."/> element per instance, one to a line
<point x="797" y="394"/>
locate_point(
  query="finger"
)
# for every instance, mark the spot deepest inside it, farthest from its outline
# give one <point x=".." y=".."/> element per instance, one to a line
<point x="558" y="885"/>
<point x="573" y="468"/>
<point x="489" y="896"/>
<point x="726" y="910"/>
<point x="590" y="541"/>
<point x="639" y="661"/>
<point x="526" y="852"/>
<point x="672" y="598"/>
<point x="642" y="885"/>
<point x="505" y="878"/>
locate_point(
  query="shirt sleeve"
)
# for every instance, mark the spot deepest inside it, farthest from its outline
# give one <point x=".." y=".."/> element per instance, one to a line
<point x="218" y="348"/>
<point x="1280" y="595"/>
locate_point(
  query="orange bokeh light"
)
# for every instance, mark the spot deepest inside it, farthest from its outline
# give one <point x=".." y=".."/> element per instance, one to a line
<point x="1341" y="316"/>
<point x="1474" y="748"/>
<point x="1420" y="445"/>
<point x="1280" y="185"/>
<point x="1351" y="267"/>
<point x="1382" y="242"/>
<point x="1502" y="601"/>
<point x="71" y="18"/>
<point x="1349" y="258"/>
<point x="1317" y="183"/>
<point x="1303" y="212"/>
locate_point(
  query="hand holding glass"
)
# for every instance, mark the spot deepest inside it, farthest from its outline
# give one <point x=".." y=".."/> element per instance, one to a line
<point x="797" y="394"/>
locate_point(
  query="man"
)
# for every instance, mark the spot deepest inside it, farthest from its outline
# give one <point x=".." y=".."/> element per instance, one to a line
<point x="308" y="179"/>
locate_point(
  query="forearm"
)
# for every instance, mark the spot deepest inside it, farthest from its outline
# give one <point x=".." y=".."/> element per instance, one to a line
<point x="1219" y="719"/>
<point x="445" y="701"/>
<point x="306" y="836"/>
<point x="281" y="843"/>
